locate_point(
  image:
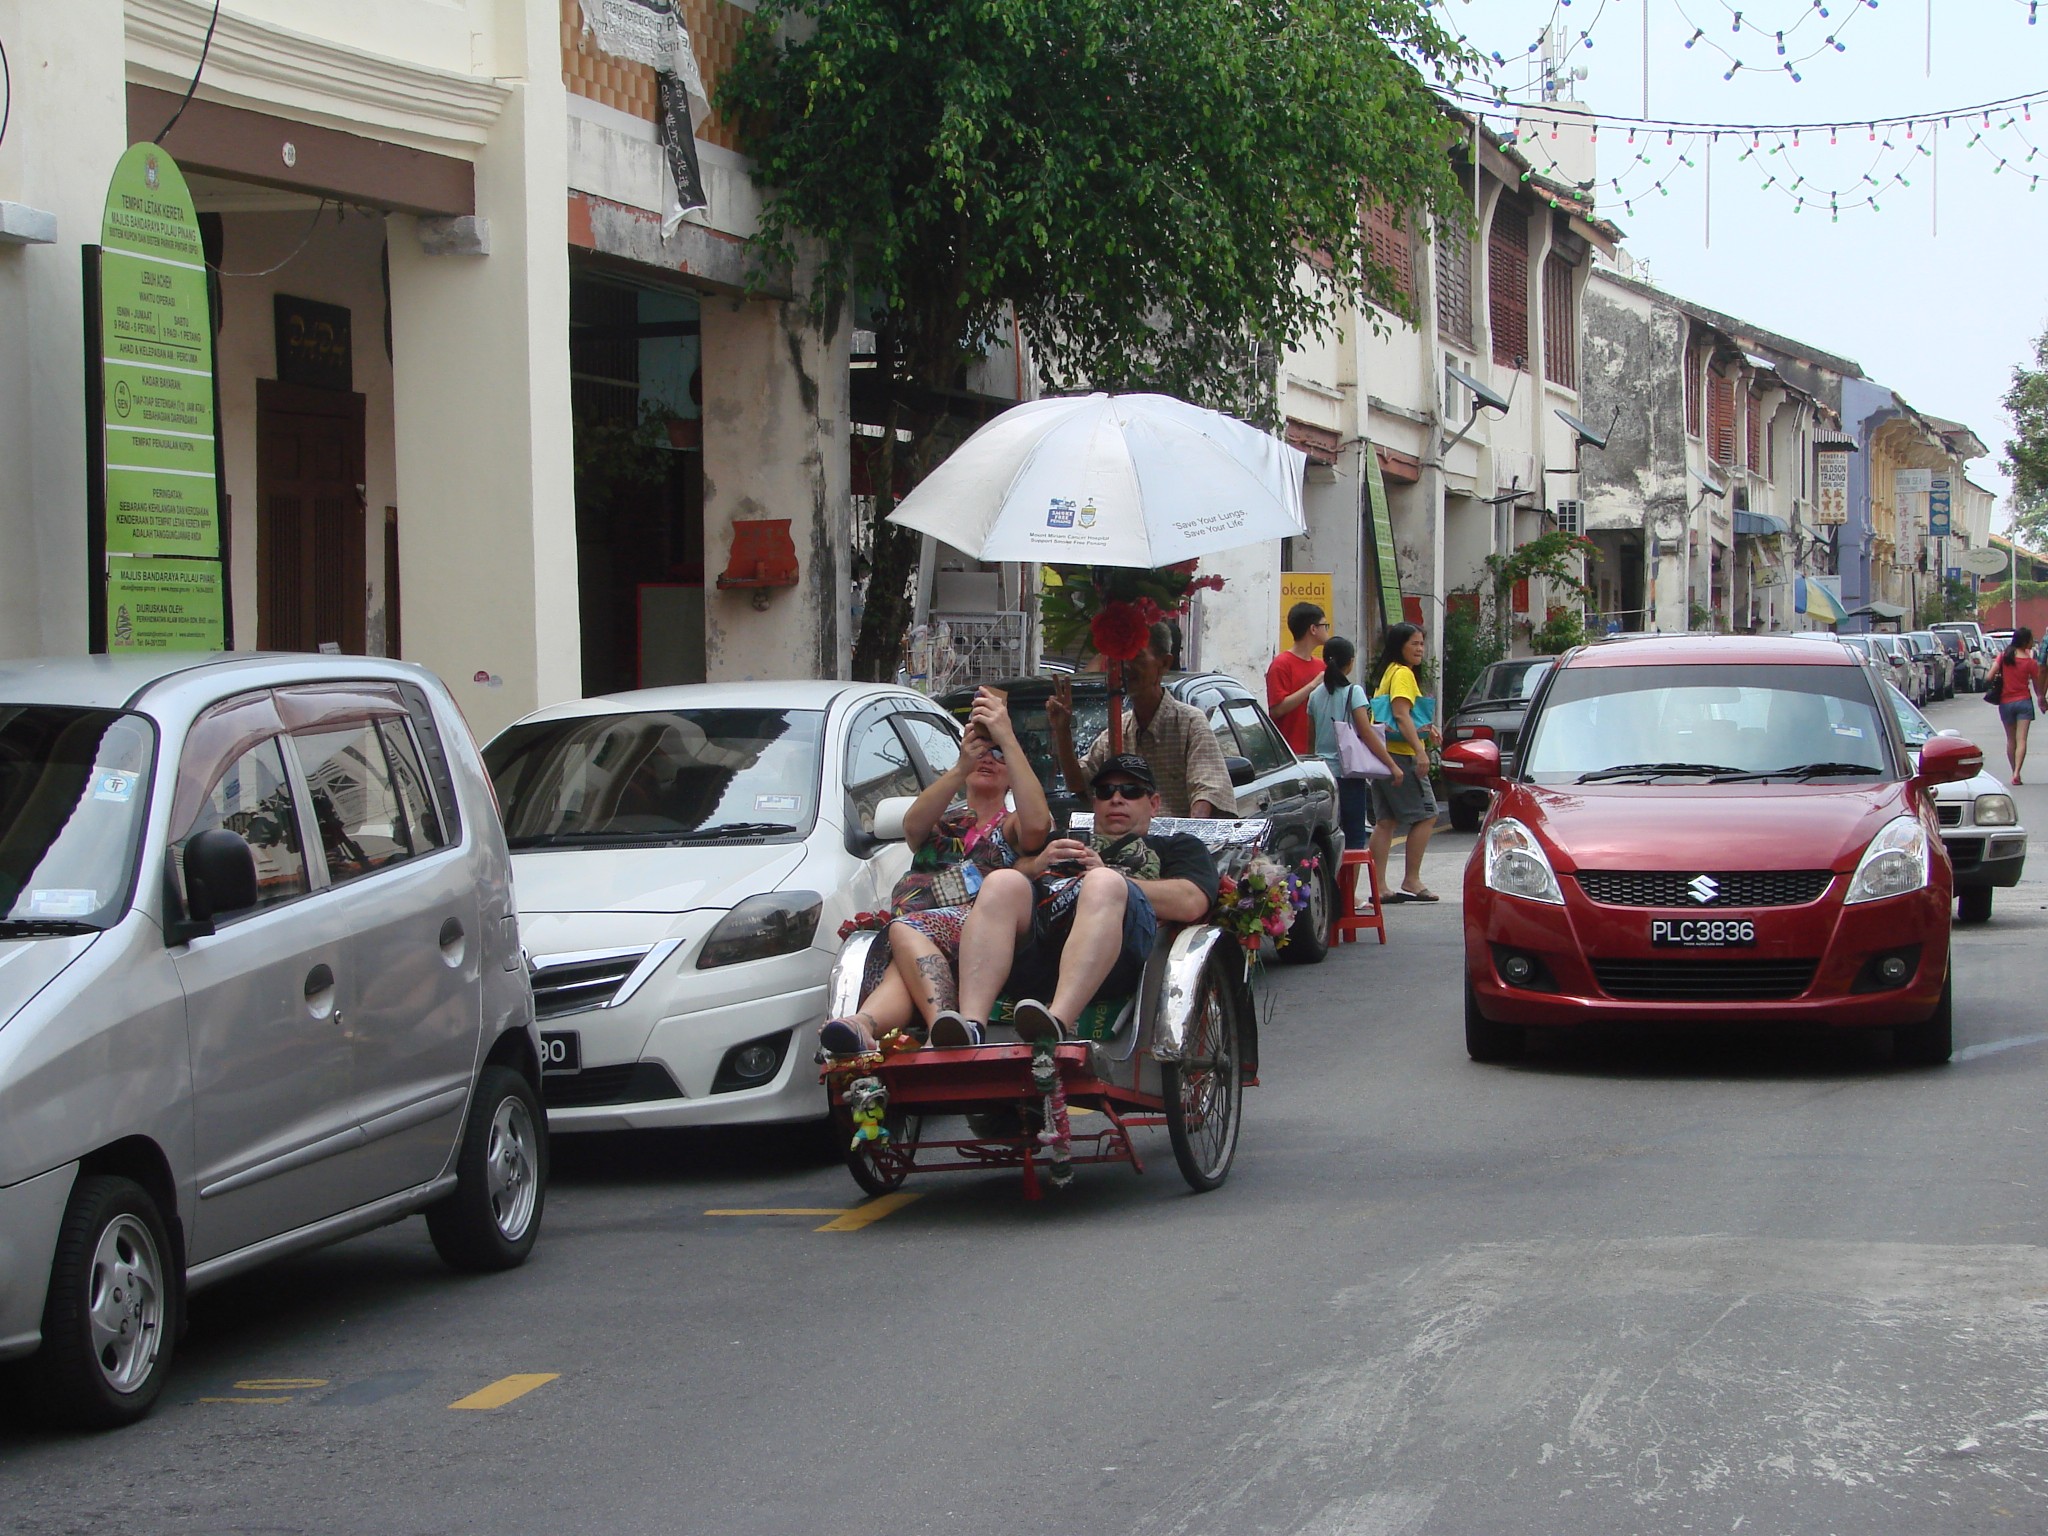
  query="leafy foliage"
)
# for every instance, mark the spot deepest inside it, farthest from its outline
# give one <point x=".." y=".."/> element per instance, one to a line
<point x="2026" y="455"/>
<point x="1136" y="183"/>
<point x="1561" y="629"/>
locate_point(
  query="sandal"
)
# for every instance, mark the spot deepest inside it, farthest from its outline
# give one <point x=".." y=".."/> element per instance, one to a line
<point x="1425" y="894"/>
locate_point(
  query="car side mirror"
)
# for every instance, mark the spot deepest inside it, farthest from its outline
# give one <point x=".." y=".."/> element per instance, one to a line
<point x="1241" y="771"/>
<point x="1475" y="763"/>
<point x="220" y="877"/>
<point x="889" y="816"/>
<point x="1949" y="760"/>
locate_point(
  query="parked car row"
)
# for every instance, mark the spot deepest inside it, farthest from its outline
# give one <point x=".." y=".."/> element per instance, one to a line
<point x="263" y="984"/>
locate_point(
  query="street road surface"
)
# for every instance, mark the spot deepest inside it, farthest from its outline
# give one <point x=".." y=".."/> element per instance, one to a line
<point x="1632" y="1285"/>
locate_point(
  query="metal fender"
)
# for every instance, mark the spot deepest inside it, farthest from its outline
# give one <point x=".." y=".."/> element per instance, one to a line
<point x="842" y="993"/>
<point x="1173" y="985"/>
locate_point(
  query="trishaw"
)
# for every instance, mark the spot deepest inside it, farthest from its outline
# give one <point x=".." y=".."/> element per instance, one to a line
<point x="1176" y="1054"/>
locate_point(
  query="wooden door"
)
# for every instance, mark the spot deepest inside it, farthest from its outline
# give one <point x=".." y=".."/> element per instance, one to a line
<point x="310" y="533"/>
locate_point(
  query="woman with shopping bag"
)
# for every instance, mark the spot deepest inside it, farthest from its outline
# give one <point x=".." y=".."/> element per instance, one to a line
<point x="1408" y="716"/>
<point x="1347" y="741"/>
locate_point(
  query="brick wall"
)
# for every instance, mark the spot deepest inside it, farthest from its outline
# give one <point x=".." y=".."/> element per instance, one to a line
<point x="590" y="72"/>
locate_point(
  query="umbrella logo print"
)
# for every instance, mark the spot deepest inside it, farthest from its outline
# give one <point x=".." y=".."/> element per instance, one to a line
<point x="1088" y="515"/>
<point x="1061" y="513"/>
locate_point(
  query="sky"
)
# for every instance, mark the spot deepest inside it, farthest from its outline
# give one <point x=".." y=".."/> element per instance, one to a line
<point x="1941" y="290"/>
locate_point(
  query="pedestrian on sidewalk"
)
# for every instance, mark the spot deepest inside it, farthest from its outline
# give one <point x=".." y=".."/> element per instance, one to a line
<point x="1340" y="699"/>
<point x="1293" y="675"/>
<point x="2016" y="686"/>
<point x="1408" y="802"/>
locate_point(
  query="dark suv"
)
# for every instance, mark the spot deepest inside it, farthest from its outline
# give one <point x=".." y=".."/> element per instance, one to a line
<point x="1493" y="711"/>
<point x="1297" y="794"/>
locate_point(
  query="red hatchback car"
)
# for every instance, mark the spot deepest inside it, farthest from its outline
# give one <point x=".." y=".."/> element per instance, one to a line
<point x="1706" y="830"/>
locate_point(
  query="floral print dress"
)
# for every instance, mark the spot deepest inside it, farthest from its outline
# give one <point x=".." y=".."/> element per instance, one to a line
<point x="946" y="870"/>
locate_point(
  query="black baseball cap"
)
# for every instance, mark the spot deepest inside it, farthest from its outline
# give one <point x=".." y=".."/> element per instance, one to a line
<point x="1131" y="766"/>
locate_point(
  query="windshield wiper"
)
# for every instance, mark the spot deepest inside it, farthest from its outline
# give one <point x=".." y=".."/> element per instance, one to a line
<point x="43" y="927"/>
<point x="736" y="829"/>
<point x="1632" y="770"/>
<point x="1804" y="771"/>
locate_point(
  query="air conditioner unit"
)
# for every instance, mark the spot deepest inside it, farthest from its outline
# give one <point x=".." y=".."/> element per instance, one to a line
<point x="1570" y="517"/>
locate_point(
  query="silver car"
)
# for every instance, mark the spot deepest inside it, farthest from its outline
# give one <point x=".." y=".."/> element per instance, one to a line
<point x="260" y="989"/>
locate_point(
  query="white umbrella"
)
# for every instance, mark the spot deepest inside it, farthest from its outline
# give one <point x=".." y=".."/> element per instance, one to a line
<point x="1126" y="480"/>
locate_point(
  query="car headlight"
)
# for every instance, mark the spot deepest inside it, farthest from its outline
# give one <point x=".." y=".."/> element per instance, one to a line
<point x="1517" y="866"/>
<point x="1996" y="811"/>
<point x="1894" y="863"/>
<point x="776" y="923"/>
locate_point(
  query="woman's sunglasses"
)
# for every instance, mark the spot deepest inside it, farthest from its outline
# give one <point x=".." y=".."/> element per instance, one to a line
<point x="1121" y="791"/>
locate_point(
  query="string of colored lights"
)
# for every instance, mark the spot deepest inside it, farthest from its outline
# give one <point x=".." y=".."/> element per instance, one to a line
<point x="1785" y="64"/>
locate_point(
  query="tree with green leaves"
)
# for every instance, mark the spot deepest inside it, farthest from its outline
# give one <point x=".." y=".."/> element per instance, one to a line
<point x="1164" y="194"/>
<point x="2026" y="454"/>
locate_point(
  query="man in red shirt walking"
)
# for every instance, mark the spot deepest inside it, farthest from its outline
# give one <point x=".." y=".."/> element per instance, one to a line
<point x="1294" y="673"/>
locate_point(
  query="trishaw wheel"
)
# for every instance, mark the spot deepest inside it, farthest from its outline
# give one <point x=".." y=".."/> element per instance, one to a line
<point x="883" y="1173"/>
<point x="1202" y="1089"/>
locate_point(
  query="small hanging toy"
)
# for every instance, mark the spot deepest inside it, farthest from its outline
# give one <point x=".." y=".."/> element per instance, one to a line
<point x="1057" y="1137"/>
<point x="868" y="1101"/>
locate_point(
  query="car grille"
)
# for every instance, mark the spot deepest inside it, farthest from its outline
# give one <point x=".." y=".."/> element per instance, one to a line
<point x="1674" y="888"/>
<point x="573" y="985"/>
<point x="1964" y="852"/>
<point x="1951" y="814"/>
<point x="1704" y="981"/>
<point x="637" y="1082"/>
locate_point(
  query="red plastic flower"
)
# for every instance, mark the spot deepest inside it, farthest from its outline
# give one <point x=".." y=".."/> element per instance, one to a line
<point x="1120" y="631"/>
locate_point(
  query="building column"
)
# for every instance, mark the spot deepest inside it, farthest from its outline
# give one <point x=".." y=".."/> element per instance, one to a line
<point x="776" y="422"/>
<point x="484" y="449"/>
<point x="68" y="126"/>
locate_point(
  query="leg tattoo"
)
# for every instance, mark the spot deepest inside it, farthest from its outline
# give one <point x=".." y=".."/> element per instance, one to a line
<point x="940" y="992"/>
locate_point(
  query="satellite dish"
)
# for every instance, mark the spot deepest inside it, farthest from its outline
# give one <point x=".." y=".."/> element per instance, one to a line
<point x="1983" y="562"/>
<point x="1492" y="400"/>
<point x="1587" y="435"/>
<point x="1709" y="485"/>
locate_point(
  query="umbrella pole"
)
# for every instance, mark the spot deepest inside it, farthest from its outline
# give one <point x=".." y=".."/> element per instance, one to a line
<point x="1116" y="706"/>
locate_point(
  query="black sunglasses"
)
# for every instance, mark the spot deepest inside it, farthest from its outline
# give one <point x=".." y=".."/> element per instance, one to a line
<point x="1123" y="791"/>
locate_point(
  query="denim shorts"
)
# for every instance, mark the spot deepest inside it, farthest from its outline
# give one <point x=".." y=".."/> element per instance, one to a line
<point x="1035" y="972"/>
<point x="2016" y="709"/>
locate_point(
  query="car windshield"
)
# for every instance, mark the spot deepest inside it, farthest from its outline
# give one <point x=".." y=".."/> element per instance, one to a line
<point x="1913" y="725"/>
<point x="1661" y="724"/>
<point x="659" y="777"/>
<point x="74" y="787"/>
<point x="1508" y="681"/>
<point x="1034" y="734"/>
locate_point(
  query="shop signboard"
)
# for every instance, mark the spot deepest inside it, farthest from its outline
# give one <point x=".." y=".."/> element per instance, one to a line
<point x="1938" y="506"/>
<point x="1831" y="490"/>
<point x="158" y="540"/>
<point x="1383" y="542"/>
<point x="1318" y="587"/>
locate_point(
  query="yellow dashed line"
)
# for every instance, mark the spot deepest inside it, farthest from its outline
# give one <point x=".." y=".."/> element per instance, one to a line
<point x="785" y="1210"/>
<point x="281" y="1384"/>
<point x="505" y="1390"/>
<point x="870" y="1212"/>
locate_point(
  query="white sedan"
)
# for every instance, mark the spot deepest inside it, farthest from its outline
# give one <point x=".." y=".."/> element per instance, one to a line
<point x="682" y="860"/>
<point x="1980" y="824"/>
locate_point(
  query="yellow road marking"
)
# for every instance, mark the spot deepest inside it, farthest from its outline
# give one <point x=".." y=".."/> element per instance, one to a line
<point x="870" y="1212"/>
<point x="280" y="1384"/>
<point x="245" y="1399"/>
<point x="785" y="1210"/>
<point x="505" y="1390"/>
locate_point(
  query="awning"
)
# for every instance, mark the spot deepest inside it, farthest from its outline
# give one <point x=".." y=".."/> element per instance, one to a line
<point x="1759" y="525"/>
<point x="1877" y="608"/>
<point x="1828" y="440"/>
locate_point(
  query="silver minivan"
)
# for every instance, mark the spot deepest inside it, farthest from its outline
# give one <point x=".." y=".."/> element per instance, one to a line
<point x="260" y="988"/>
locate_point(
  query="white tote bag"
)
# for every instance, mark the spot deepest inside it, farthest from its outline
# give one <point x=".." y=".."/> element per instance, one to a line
<point x="1354" y="757"/>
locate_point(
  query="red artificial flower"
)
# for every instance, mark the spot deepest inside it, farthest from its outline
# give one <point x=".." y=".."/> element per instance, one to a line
<point x="1185" y="568"/>
<point x="1120" y="631"/>
<point x="1206" y="584"/>
<point x="1150" y="611"/>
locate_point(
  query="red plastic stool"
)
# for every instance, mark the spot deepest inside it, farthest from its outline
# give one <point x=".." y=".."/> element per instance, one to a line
<point x="1347" y="921"/>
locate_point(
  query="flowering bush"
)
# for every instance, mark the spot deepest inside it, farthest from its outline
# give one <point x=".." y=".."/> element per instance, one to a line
<point x="1260" y="903"/>
<point x="1110" y="609"/>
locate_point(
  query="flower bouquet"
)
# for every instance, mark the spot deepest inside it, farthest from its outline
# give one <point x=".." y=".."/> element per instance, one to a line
<point x="1259" y="903"/>
<point x="865" y="922"/>
<point x="1110" y="610"/>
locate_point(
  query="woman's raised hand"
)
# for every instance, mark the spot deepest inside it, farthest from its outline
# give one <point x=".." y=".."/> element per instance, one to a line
<point x="991" y="712"/>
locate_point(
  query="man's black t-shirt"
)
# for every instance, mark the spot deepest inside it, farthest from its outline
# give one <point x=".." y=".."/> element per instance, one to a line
<point x="1182" y="857"/>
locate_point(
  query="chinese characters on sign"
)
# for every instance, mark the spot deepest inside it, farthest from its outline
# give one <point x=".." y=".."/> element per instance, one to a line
<point x="161" y="535"/>
<point x="651" y="32"/>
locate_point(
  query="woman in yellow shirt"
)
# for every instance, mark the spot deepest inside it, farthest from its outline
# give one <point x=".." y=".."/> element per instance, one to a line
<point x="1409" y="801"/>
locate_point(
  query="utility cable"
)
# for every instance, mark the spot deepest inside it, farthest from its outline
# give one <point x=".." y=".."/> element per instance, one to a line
<point x="205" y="47"/>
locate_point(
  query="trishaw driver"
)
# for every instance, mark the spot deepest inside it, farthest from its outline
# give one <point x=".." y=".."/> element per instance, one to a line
<point x="1090" y="927"/>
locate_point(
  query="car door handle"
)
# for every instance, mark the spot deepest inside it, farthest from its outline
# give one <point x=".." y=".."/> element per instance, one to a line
<point x="320" y="993"/>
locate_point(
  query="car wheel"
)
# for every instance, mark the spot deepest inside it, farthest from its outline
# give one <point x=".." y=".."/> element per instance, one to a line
<point x="501" y="1176"/>
<point x="1467" y="813"/>
<point x="1308" y="940"/>
<point x="1931" y="1043"/>
<point x="1974" y="904"/>
<point x="1486" y="1040"/>
<point x="110" y="1320"/>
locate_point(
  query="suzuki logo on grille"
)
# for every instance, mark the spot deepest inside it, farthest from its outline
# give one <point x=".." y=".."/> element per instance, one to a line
<point x="1704" y="888"/>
